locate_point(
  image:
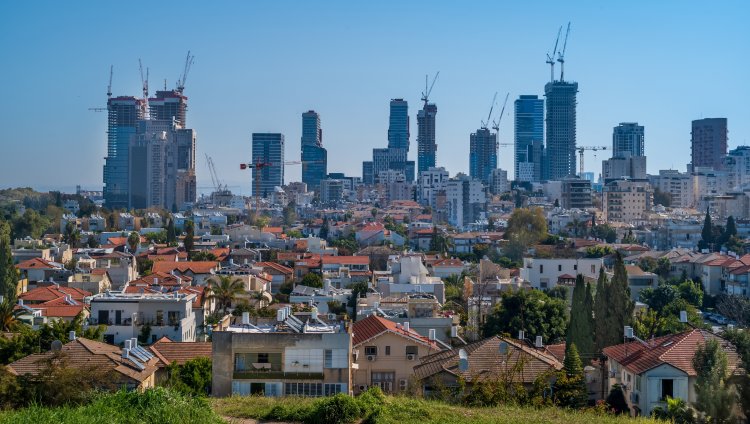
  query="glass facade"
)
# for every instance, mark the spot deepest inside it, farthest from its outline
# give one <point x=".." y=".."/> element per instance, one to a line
<point x="268" y="148"/>
<point x="529" y="128"/>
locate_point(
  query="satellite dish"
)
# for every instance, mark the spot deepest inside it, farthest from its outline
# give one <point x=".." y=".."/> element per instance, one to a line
<point x="57" y="346"/>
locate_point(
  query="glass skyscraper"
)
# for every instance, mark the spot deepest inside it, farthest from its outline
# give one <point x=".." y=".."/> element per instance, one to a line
<point x="314" y="156"/>
<point x="123" y="114"/>
<point x="529" y="128"/>
<point x="398" y="127"/>
<point x="561" y="128"/>
<point x="628" y="140"/>
<point x="426" y="146"/>
<point x="482" y="154"/>
<point x="268" y="148"/>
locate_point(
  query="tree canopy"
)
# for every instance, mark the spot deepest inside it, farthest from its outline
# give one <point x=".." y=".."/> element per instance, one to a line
<point x="529" y="310"/>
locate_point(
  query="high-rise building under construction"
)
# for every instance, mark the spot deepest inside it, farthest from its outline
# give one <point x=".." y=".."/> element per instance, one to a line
<point x="426" y="146"/>
<point x="561" y="128"/>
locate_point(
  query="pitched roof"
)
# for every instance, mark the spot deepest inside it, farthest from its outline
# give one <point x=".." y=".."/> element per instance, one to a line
<point x="346" y="260"/>
<point x="88" y="353"/>
<point x="676" y="350"/>
<point x="275" y="267"/>
<point x="196" y="267"/>
<point x="448" y="262"/>
<point x="47" y="293"/>
<point x="373" y="326"/>
<point x="485" y="359"/>
<point x="168" y="351"/>
<point x="38" y="263"/>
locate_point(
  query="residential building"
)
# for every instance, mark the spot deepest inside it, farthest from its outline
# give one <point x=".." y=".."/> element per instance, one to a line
<point x="386" y="353"/>
<point x="169" y="105"/>
<point x="169" y="352"/>
<point x="638" y="280"/>
<point x="268" y="148"/>
<point x="618" y="167"/>
<point x="628" y="140"/>
<point x="707" y="182"/>
<point x="575" y="193"/>
<point x="331" y="191"/>
<point x="679" y="186"/>
<point x="431" y="182"/>
<point x="499" y="183"/>
<point x="426" y="145"/>
<point x="650" y="371"/>
<point x="547" y="273"/>
<point x="482" y="154"/>
<point x="529" y="137"/>
<point x="737" y="164"/>
<point x="466" y="200"/>
<point x="199" y="271"/>
<point x="626" y="200"/>
<point x="131" y="367"/>
<point x="561" y="128"/>
<point x="314" y="156"/>
<point x="123" y="113"/>
<point x="287" y="357"/>
<point x="167" y="315"/>
<point x="708" y="143"/>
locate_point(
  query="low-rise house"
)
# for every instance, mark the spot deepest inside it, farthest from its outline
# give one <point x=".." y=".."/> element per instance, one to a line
<point x="650" y="371"/>
<point x="638" y="280"/>
<point x="288" y="357"/>
<point x="38" y="269"/>
<point x="447" y="267"/>
<point x="386" y="352"/>
<point x="125" y="314"/>
<point x="280" y="274"/>
<point x="494" y="359"/>
<point x="198" y="271"/>
<point x="168" y="352"/>
<point x="319" y="297"/>
<point x="374" y="233"/>
<point x="358" y="267"/>
<point x="546" y="273"/>
<point x="52" y="292"/>
<point x="120" y="266"/>
<point x="131" y="367"/>
<point x="97" y="281"/>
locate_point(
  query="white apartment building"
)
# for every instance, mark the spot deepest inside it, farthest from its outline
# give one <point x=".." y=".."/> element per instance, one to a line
<point x="466" y="200"/>
<point x="125" y="315"/>
<point x="679" y="186"/>
<point x="545" y="273"/>
<point x="499" y="181"/>
<point x="430" y="183"/>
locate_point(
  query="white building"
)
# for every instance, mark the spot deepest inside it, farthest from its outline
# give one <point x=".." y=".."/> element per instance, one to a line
<point x="125" y="315"/>
<point x="545" y="273"/>
<point x="708" y="182"/>
<point x="499" y="181"/>
<point x="466" y="200"/>
<point x="679" y="186"/>
<point x="430" y="183"/>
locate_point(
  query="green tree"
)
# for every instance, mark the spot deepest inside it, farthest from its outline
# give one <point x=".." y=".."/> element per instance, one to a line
<point x="225" y="290"/>
<point x="134" y="240"/>
<point x="692" y="292"/>
<point x="171" y="233"/>
<point x="527" y="226"/>
<point x="741" y="340"/>
<point x="660" y="297"/>
<point x="203" y="255"/>
<point x="714" y="397"/>
<point x="616" y="400"/>
<point x="358" y="289"/>
<point x="289" y="214"/>
<point x="8" y="272"/>
<point x="189" y="241"/>
<point x="532" y="311"/>
<point x="92" y="242"/>
<point x="662" y="198"/>
<point x="193" y="377"/>
<point x="439" y="242"/>
<point x="707" y="233"/>
<point x="30" y="224"/>
<point x="312" y="279"/>
<point x="676" y="411"/>
<point x="324" y="229"/>
<point x="581" y="326"/>
<point x="620" y="311"/>
<point x="604" y="232"/>
<point x="601" y="312"/>
<point x="629" y="238"/>
<point x="570" y="387"/>
<point x="71" y="235"/>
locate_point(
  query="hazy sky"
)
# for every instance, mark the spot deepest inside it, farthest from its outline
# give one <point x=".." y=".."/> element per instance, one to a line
<point x="260" y="65"/>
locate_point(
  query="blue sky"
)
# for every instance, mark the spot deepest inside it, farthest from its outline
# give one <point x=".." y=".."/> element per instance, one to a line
<point x="259" y="65"/>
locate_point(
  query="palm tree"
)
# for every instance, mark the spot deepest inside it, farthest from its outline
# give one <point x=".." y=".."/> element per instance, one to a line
<point x="9" y="316"/>
<point x="225" y="290"/>
<point x="676" y="411"/>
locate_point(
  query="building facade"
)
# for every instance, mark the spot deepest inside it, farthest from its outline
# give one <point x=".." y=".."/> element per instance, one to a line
<point x="314" y="156"/>
<point x="398" y="125"/>
<point x="708" y="143"/>
<point x="561" y="128"/>
<point x="529" y="137"/>
<point x="482" y="154"/>
<point x="268" y="148"/>
<point x="123" y="114"/>
<point x="626" y="200"/>
<point x="426" y="145"/>
<point x="628" y="140"/>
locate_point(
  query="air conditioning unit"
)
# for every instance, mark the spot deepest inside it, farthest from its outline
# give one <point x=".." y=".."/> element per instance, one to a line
<point x="362" y="388"/>
<point x="370" y="357"/>
<point x="411" y="357"/>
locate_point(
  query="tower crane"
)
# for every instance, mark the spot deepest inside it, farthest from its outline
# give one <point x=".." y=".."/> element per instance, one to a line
<point x="258" y="167"/>
<point x="181" y="81"/>
<point x="551" y="58"/>
<point x="427" y="91"/>
<point x="561" y="55"/>
<point x="109" y="92"/>
<point x="144" y="85"/>
<point x="489" y="115"/>
<point x="582" y="149"/>
<point x="496" y="125"/>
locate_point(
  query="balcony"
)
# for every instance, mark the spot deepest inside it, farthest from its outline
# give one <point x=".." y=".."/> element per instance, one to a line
<point x="276" y="375"/>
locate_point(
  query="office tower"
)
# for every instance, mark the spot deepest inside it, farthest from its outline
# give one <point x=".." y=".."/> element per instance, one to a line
<point x="561" y="128"/>
<point x="529" y="128"/>
<point x="482" y="154"/>
<point x="314" y="156"/>
<point x="709" y="142"/>
<point x="426" y="146"/>
<point x="169" y="105"/>
<point x="398" y="127"/>
<point x="268" y="148"/>
<point x="628" y="140"/>
<point x="122" y="115"/>
<point x="368" y="173"/>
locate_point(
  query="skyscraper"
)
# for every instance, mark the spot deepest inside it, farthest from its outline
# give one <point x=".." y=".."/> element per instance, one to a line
<point x="268" y="148"/>
<point x="709" y="142"/>
<point x="628" y="140"/>
<point x="561" y="128"/>
<point x="529" y="128"/>
<point x="482" y="154"/>
<point x="314" y="156"/>
<point x="123" y="113"/>
<point x="426" y="146"/>
<point x="398" y="127"/>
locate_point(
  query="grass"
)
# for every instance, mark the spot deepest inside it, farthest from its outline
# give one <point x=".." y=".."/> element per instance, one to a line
<point x="403" y="410"/>
<point x="154" y="406"/>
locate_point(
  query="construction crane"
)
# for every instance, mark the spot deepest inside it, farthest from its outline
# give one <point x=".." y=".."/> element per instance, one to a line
<point x="258" y="167"/>
<point x="144" y="85"/>
<point x="489" y="115"/>
<point x="427" y="91"/>
<point x="551" y="58"/>
<point x="496" y="125"/>
<point x="109" y="92"/>
<point x="561" y="55"/>
<point x="582" y="149"/>
<point x="188" y="63"/>
<point x="218" y="186"/>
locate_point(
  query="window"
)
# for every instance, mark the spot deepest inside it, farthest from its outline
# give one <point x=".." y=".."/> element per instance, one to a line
<point x="387" y="350"/>
<point x="559" y="268"/>
<point x="638" y="383"/>
<point x="263" y="358"/>
<point x="173" y="317"/>
<point x="384" y="380"/>
<point x="328" y="358"/>
<point x="541" y="269"/>
<point x="371" y="350"/>
<point x="575" y="267"/>
<point x="667" y="388"/>
<point x="411" y="350"/>
<point x="303" y="389"/>
<point x="593" y="269"/>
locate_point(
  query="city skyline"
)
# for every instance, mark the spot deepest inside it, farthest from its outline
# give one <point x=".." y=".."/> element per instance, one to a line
<point x="231" y="97"/>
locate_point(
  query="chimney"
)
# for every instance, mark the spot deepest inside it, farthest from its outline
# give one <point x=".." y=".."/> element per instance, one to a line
<point x="521" y="335"/>
<point x="71" y="335"/>
<point x="432" y="334"/>
<point x="539" y="343"/>
<point x="406" y="326"/>
<point x="246" y="318"/>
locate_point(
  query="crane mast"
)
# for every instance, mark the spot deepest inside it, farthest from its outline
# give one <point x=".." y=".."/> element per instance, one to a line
<point x="551" y="58"/>
<point x="561" y="55"/>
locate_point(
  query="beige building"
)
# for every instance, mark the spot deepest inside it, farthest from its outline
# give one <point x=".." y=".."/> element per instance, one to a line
<point x="386" y="353"/>
<point x="97" y="281"/>
<point x="626" y="200"/>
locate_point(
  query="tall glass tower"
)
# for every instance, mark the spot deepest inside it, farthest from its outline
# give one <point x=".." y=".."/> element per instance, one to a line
<point x="529" y="128"/>
<point x="482" y="154"/>
<point x="561" y="128"/>
<point x="268" y="148"/>
<point x="628" y="140"/>
<point x="398" y="127"/>
<point x="426" y="146"/>
<point x="123" y="113"/>
<point x="314" y="156"/>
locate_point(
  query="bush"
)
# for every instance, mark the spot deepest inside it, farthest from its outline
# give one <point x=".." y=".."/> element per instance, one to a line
<point x="338" y="409"/>
<point x="371" y="403"/>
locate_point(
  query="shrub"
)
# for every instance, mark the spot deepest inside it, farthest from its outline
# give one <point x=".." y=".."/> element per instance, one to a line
<point x="338" y="409"/>
<point x="371" y="403"/>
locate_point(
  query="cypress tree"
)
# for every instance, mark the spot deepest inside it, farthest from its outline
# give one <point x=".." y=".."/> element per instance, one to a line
<point x="171" y="234"/>
<point x="707" y="232"/>
<point x="620" y="305"/>
<point x="8" y="272"/>
<point x="189" y="241"/>
<point x="601" y="309"/>
<point x="581" y="326"/>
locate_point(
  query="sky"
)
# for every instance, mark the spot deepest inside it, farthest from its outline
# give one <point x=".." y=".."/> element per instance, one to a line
<point x="260" y="64"/>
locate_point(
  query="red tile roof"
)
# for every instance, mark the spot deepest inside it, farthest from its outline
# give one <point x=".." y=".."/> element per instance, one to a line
<point x="47" y="293"/>
<point x="450" y="262"/>
<point x="197" y="267"/>
<point x="37" y="263"/>
<point x="346" y="260"/>
<point x="180" y="352"/>
<point x="373" y="326"/>
<point x="676" y="350"/>
<point x="275" y="267"/>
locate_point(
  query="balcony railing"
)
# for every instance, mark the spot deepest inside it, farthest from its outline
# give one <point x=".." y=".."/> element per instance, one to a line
<point x="258" y="374"/>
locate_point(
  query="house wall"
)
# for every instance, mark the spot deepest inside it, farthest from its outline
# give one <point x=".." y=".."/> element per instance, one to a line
<point x="543" y="273"/>
<point x="146" y="313"/>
